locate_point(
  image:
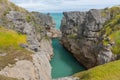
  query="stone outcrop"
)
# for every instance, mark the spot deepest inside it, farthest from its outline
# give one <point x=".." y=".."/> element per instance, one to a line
<point x="38" y="69"/>
<point x="35" y="26"/>
<point x="85" y="33"/>
<point x="53" y="33"/>
<point x="44" y="19"/>
<point x="47" y="22"/>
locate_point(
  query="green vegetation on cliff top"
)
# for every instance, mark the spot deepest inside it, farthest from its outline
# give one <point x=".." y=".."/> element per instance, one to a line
<point x="10" y="47"/>
<point x="109" y="71"/>
<point x="111" y="30"/>
<point x="7" y="5"/>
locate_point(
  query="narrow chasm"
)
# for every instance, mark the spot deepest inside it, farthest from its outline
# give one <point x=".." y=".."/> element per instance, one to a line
<point x="63" y="63"/>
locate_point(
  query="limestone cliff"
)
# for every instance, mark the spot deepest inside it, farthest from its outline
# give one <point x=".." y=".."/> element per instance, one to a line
<point x="48" y="23"/>
<point x="34" y="26"/>
<point x="92" y="36"/>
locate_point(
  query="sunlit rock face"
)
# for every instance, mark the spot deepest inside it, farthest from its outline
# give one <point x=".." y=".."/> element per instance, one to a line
<point x="86" y="35"/>
<point x="35" y="26"/>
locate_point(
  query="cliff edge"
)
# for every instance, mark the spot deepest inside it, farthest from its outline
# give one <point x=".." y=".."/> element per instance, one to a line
<point x="25" y="47"/>
<point x="92" y="36"/>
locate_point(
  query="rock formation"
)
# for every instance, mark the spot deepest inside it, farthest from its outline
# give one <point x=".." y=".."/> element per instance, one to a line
<point x="35" y="26"/>
<point x="91" y="36"/>
<point x="38" y="69"/>
<point x="47" y="21"/>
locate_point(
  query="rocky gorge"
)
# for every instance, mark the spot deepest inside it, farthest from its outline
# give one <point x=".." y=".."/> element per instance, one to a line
<point x="36" y="27"/>
<point x="26" y="43"/>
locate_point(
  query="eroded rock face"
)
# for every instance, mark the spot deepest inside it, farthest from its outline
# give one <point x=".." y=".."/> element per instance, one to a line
<point x="81" y="34"/>
<point x="54" y="33"/>
<point x="26" y="23"/>
<point x="43" y="19"/>
<point x="47" y="23"/>
<point x="38" y="69"/>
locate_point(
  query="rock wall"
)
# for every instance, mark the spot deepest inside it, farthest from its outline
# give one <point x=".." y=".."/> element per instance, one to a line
<point x="84" y="33"/>
<point x="48" y="23"/>
<point x="35" y="26"/>
<point x="38" y="69"/>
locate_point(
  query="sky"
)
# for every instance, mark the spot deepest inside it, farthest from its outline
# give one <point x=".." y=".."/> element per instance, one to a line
<point x="64" y="5"/>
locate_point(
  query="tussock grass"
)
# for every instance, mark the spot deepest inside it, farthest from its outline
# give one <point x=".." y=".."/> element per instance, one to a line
<point x="11" y="38"/>
<point x="109" y="71"/>
<point x="6" y="6"/>
<point x="111" y="30"/>
<point x="115" y="36"/>
<point x="9" y="45"/>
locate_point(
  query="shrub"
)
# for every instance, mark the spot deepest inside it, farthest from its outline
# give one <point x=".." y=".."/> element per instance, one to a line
<point x="28" y="18"/>
<point x="72" y="36"/>
<point x="47" y="38"/>
<point x="6" y="12"/>
<point x="115" y="37"/>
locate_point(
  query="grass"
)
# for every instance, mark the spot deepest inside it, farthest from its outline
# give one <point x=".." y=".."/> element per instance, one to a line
<point x="9" y="45"/>
<point x="28" y="18"/>
<point x="11" y="38"/>
<point x="47" y="38"/>
<point x="6" y="78"/>
<point x="6" y="12"/>
<point x="6" y="6"/>
<point x="115" y="10"/>
<point x="111" y="25"/>
<point x="109" y="71"/>
<point x="115" y="37"/>
<point x="72" y="36"/>
<point x="3" y="1"/>
<point x="112" y="30"/>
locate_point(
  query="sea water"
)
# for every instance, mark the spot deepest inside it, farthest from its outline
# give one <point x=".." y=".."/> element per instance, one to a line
<point x="63" y="63"/>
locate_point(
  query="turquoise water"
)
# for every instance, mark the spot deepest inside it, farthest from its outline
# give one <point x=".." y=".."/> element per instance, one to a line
<point x="63" y="63"/>
<point x="57" y="18"/>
